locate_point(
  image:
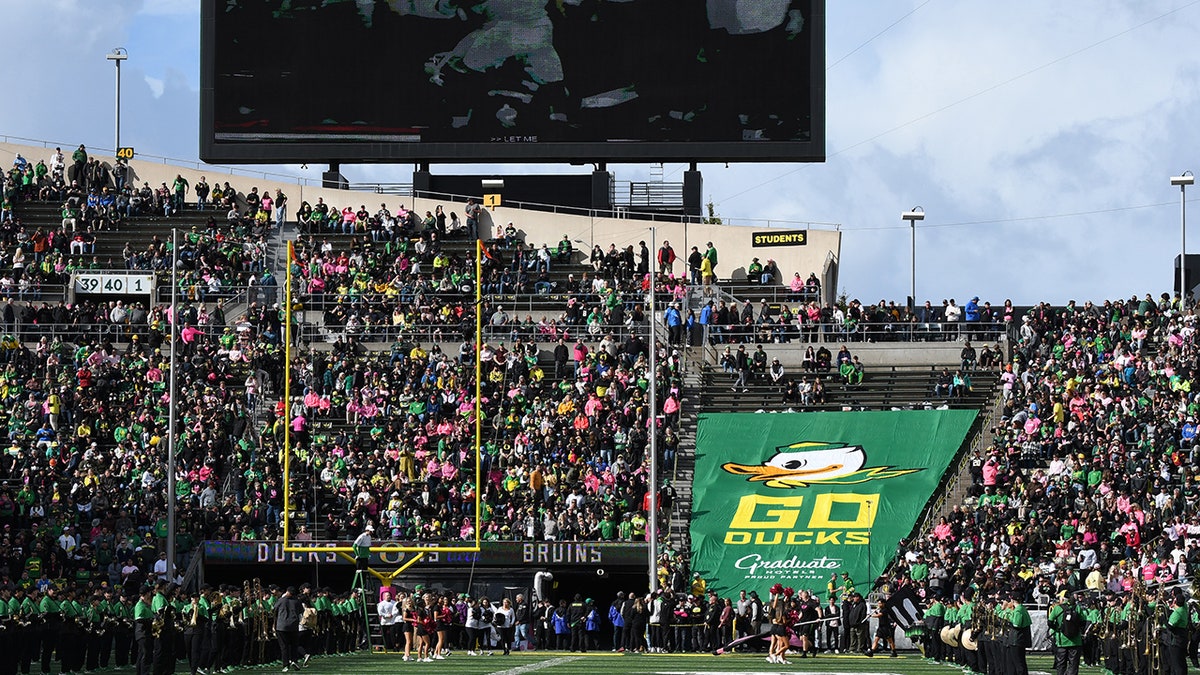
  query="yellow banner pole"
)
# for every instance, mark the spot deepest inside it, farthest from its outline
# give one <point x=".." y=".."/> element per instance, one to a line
<point x="287" y="398"/>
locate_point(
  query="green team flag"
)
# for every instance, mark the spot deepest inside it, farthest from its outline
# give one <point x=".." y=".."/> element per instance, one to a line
<point x="793" y="498"/>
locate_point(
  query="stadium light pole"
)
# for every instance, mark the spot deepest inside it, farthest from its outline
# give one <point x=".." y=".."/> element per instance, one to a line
<point x="1183" y="180"/>
<point x="652" y="524"/>
<point x="117" y="55"/>
<point x="917" y="213"/>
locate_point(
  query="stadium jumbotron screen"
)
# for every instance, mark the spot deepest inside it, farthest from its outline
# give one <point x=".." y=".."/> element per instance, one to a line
<point x="512" y="80"/>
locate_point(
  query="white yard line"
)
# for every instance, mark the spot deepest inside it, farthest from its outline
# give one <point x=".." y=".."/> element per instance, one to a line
<point x="529" y="668"/>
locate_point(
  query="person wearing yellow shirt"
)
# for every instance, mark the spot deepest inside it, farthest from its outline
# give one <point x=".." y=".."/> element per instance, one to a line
<point x="1025" y="572"/>
<point x="54" y="407"/>
<point x="566" y="407"/>
<point x="537" y="481"/>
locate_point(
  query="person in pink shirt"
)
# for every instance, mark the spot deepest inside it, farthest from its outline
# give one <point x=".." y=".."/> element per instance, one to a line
<point x="943" y="531"/>
<point x="990" y="469"/>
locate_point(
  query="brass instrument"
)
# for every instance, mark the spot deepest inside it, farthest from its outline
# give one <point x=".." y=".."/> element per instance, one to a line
<point x="1154" y="626"/>
<point x="195" y="618"/>
<point x="1128" y="631"/>
<point x="259" y="628"/>
<point x="156" y="626"/>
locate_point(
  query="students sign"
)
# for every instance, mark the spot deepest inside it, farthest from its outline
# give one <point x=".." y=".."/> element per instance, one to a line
<point x="779" y="238"/>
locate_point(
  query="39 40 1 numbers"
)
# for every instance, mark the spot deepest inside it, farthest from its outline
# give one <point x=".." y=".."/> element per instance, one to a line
<point x="112" y="284"/>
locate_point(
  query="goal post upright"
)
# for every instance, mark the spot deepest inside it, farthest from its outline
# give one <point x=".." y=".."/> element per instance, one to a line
<point x="287" y="397"/>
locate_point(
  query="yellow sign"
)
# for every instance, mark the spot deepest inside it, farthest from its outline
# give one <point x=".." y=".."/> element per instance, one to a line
<point x="491" y="201"/>
<point x="777" y="238"/>
<point x="125" y="153"/>
<point x="776" y="522"/>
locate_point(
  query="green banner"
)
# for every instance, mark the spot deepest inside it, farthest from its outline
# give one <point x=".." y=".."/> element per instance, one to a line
<point x="794" y="498"/>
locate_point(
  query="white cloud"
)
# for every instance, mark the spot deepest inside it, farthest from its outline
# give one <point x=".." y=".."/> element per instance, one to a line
<point x="168" y="7"/>
<point x="156" y="86"/>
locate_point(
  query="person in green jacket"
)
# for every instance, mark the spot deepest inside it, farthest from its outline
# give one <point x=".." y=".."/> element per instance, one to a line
<point x="1066" y="623"/>
<point x="27" y="611"/>
<point x="934" y="618"/>
<point x="1020" y="635"/>
<point x="1092" y="647"/>
<point x="164" y="644"/>
<point x="8" y="645"/>
<point x="966" y="617"/>
<point x="1174" y="636"/>
<point x="71" y="638"/>
<point x="143" y="621"/>
<point x="50" y="613"/>
<point x="949" y="619"/>
<point x="93" y="622"/>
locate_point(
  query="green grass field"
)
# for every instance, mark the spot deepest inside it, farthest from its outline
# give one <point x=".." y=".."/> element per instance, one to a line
<point x="555" y="663"/>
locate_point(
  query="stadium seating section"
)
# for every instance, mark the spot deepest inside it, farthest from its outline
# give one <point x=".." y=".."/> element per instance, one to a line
<point x="1083" y="473"/>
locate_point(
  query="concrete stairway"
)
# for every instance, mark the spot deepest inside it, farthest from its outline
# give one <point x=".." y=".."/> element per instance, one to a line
<point x="685" y="458"/>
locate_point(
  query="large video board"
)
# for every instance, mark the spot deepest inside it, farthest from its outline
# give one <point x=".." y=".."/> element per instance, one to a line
<point x="512" y="80"/>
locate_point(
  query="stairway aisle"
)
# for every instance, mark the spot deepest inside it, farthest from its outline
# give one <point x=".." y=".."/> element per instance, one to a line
<point x="685" y="458"/>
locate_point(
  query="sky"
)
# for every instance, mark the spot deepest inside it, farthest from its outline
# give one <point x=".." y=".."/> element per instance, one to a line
<point x="1038" y="137"/>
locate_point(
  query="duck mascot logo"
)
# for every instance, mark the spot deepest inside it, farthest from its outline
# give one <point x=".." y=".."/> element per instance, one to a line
<point x="810" y="463"/>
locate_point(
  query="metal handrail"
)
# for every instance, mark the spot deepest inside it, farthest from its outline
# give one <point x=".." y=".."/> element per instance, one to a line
<point x="230" y="294"/>
<point x="394" y="189"/>
<point x="429" y="333"/>
<point x="27" y="331"/>
<point x="740" y="291"/>
<point x="618" y="212"/>
<point x="322" y="301"/>
<point x="648" y="194"/>
<point x="195" y="568"/>
<point x="52" y="290"/>
<point x="894" y="331"/>
<point x="954" y="473"/>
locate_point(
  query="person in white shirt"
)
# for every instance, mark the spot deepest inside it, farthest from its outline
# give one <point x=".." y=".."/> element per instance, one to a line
<point x="502" y="620"/>
<point x="67" y="541"/>
<point x="388" y="614"/>
<point x="128" y="570"/>
<point x="160" y="567"/>
<point x="362" y="548"/>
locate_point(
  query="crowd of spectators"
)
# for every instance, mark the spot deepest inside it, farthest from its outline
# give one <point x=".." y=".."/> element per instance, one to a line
<point x="94" y="199"/>
<point x="1089" y="482"/>
<point x="388" y="433"/>
<point x="82" y="477"/>
<point x="725" y="322"/>
<point x="85" y="384"/>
